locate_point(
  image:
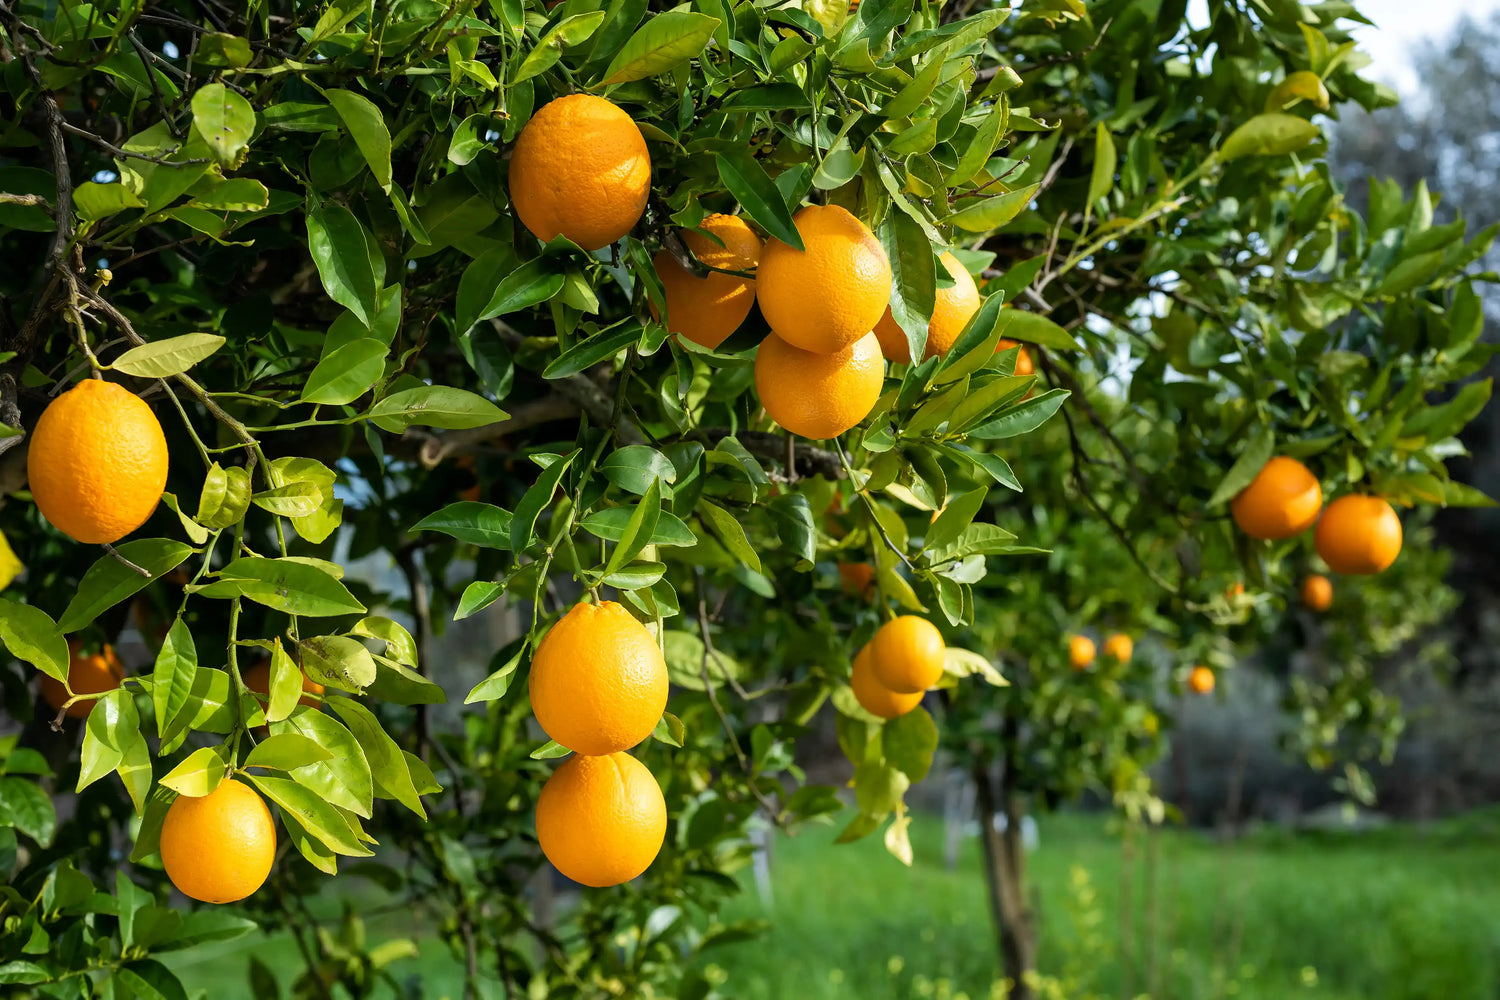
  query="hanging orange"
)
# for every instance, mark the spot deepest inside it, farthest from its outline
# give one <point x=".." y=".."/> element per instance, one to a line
<point x="1358" y="535"/>
<point x="1281" y="501"/>
<point x="601" y="820"/>
<point x="830" y="294"/>
<point x="818" y="395"/>
<point x="707" y="310"/>
<point x="873" y="696"/>
<point x="951" y="312"/>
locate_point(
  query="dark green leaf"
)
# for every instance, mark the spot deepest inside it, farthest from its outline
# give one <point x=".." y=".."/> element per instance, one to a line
<point x="472" y="522"/>
<point x="746" y="179"/>
<point x="109" y="581"/>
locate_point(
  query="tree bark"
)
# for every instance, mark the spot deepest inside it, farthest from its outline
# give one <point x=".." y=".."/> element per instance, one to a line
<point x="1005" y="878"/>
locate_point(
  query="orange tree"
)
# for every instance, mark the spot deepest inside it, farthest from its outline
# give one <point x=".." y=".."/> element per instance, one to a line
<point x="349" y="262"/>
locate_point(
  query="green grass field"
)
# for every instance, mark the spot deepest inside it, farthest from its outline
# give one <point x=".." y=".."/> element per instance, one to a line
<point x="1399" y="914"/>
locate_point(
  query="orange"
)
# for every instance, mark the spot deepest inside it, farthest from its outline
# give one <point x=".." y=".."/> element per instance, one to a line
<point x="1283" y="500"/>
<point x="907" y="655"/>
<point x="1120" y="647"/>
<point x="857" y="579"/>
<point x="1080" y="651"/>
<point x="258" y="679"/>
<point x="88" y="673"/>
<point x="598" y="680"/>
<point x="830" y="294"/>
<point x="1317" y="592"/>
<point x="97" y="462"/>
<point x="601" y="820"/>
<point x="1024" y="364"/>
<point x="818" y="395"/>
<point x="580" y="169"/>
<point x="954" y="307"/>
<point x="707" y="310"/>
<point x="218" y="848"/>
<point x="1358" y="535"/>
<point x="1235" y="591"/>
<point x="874" y="697"/>
<point x="1201" y="680"/>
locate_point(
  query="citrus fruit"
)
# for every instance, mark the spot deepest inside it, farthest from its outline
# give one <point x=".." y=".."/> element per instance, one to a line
<point x="857" y="579"/>
<point x="1358" y="535"/>
<point x="218" y="848"/>
<point x="874" y="697"/>
<point x="601" y="820"/>
<point x="97" y="462"/>
<point x="88" y="673"/>
<point x="907" y="655"/>
<point x="1281" y="501"/>
<point x="951" y="312"/>
<point x="1235" y="591"/>
<point x="1317" y="592"/>
<point x="580" y="169"/>
<point x="1201" y="680"/>
<point x="1024" y="364"/>
<point x="707" y="310"/>
<point x="818" y="395"/>
<point x="828" y="295"/>
<point x="1080" y="651"/>
<point x="1120" y="647"/>
<point x="598" y="680"/>
<point x="258" y="679"/>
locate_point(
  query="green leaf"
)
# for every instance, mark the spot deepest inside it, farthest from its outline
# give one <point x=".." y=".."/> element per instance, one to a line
<point x="610" y="523"/>
<point x="221" y="50"/>
<point x="23" y="973"/>
<point x="635" y="468"/>
<point x="172" y="677"/>
<point x="237" y="194"/>
<point x="109" y="581"/>
<point x="285" y="585"/>
<point x="729" y="531"/>
<point x="1412" y="273"/>
<point x="344" y="778"/>
<point x="529" y="284"/>
<point x="523" y="524"/>
<point x="224" y="120"/>
<point x="1102" y="180"/>
<point x="434" y="406"/>
<point x="744" y="178"/>
<point x="26" y="807"/>
<point x="662" y="43"/>
<point x="914" y="278"/>
<point x="315" y="815"/>
<point x="200" y="773"/>
<point x="148" y="979"/>
<point x="955" y="517"/>
<point x="346" y="373"/>
<point x="498" y="682"/>
<point x="472" y="522"/>
<point x="387" y="765"/>
<point x="147" y="839"/>
<point x="1257" y="452"/>
<point x="566" y="33"/>
<point x="879" y="788"/>
<point x="286" y="685"/>
<point x="337" y="661"/>
<point x="591" y="351"/>
<point x="31" y="635"/>
<point x="287" y="751"/>
<point x="476" y="597"/>
<point x="909" y="741"/>
<point x="638" y="530"/>
<point x="670" y="730"/>
<point x="340" y="248"/>
<point x="1034" y="328"/>
<point x="992" y="213"/>
<point x="113" y="725"/>
<point x="162" y="358"/>
<point x="912" y="96"/>
<point x="1271" y="134"/>
<point x="549" y="751"/>
<point x="366" y="125"/>
<point x="93" y="201"/>
<point x="1022" y="418"/>
<point x="225" y="497"/>
<point x="298" y="499"/>
<point x="317" y="526"/>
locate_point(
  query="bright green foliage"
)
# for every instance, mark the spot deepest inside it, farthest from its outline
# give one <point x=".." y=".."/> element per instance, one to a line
<point x="292" y="230"/>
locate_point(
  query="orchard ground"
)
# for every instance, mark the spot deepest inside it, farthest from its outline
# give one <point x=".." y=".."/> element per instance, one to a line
<point x="1402" y="913"/>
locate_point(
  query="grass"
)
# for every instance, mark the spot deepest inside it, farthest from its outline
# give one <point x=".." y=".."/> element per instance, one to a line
<point x="1396" y="914"/>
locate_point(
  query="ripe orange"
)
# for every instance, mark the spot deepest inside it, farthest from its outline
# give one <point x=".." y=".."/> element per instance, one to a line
<point x="97" y="462"/>
<point x="580" y="169"/>
<point x="954" y="307"/>
<point x="1283" y="500"/>
<point x="258" y="679"/>
<point x="857" y="579"/>
<point x="829" y="295"/>
<point x="1024" y="364"/>
<point x="818" y="395"/>
<point x="874" y="697"/>
<point x="1358" y="535"/>
<point x="88" y="673"/>
<point x="601" y="820"/>
<point x="707" y="310"/>
<point x="218" y="848"/>
<point x="598" y="680"/>
<point x="1120" y="647"/>
<point x="1317" y="592"/>
<point x="907" y="655"/>
<point x="1235" y="591"/>
<point x="1080" y="651"/>
<point x="1201" y="680"/>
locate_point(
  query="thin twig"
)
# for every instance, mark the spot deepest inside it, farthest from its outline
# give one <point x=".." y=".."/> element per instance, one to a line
<point x="116" y="553"/>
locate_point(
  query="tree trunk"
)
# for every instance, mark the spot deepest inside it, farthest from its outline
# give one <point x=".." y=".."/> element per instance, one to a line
<point x="1005" y="877"/>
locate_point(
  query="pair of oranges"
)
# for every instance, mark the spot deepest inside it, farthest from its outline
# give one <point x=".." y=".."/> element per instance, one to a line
<point x="1081" y="649"/>
<point x="1356" y="535"/>
<point x="893" y="670"/>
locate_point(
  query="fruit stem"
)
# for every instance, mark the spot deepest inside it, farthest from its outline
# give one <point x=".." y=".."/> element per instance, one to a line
<point x="116" y="553"/>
